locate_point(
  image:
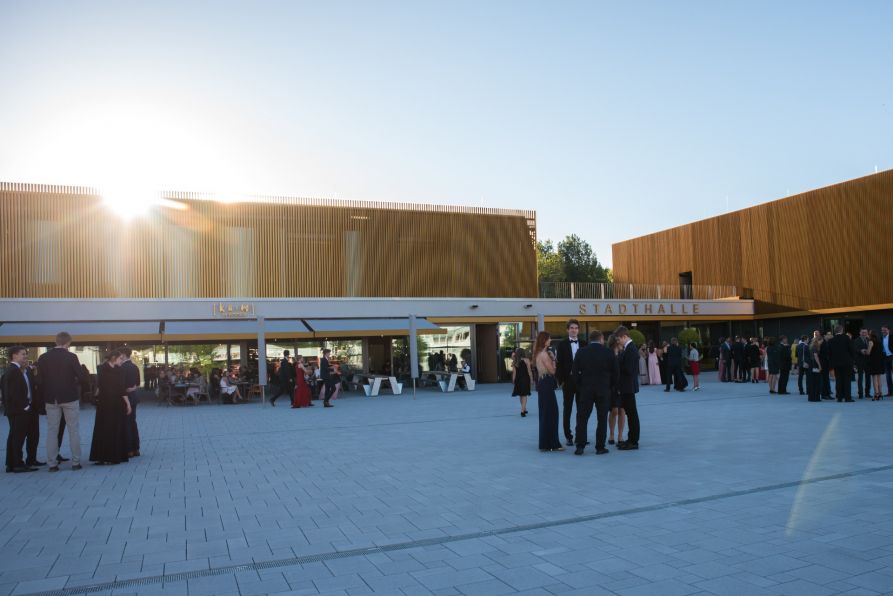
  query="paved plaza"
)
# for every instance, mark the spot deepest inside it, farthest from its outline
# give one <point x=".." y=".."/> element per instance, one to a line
<point x="732" y="492"/>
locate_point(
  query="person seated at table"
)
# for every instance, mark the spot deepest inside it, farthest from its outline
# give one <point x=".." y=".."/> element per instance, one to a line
<point x="228" y="387"/>
<point x="464" y="369"/>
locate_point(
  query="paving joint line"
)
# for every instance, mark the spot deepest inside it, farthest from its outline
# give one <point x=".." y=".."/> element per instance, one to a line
<point x="359" y="552"/>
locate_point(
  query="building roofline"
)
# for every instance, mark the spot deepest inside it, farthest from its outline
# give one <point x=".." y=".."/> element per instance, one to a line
<point x="223" y="198"/>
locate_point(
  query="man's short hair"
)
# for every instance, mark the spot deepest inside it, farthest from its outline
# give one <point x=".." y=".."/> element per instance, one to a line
<point x="13" y="350"/>
<point x="803" y="338"/>
<point x="327" y="351"/>
<point x="285" y="353"/>
<point x="126" y="351"/>
<point x="674" y="341"/>
<point x="63" y="338"/>
<point x="621" y="331"/>
<point x="596" y="335"/>
<point x="572" y="322"/>
<point x="783" y="338"/>
<point x="838" y="329"/>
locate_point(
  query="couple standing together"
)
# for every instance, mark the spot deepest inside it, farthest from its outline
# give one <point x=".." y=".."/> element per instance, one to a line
<point x="590" y="374"/>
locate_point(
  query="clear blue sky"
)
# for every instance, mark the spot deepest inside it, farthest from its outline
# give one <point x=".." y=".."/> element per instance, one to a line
<point x="611" y="119"/>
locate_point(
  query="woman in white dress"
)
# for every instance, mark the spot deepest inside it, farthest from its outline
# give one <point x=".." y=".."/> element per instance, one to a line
<point x="643" y="366"/>
<point x="653" y="365"/>
<point x="227" y="387"/>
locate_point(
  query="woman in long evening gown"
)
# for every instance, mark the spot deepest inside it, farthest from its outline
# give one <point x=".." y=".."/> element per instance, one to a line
<point x="109" y="444"/>
<point x="643" y="366"/>
<point x="545" y="394"/>
<point x="302" y="389"/>
<point x="653" y="365"/>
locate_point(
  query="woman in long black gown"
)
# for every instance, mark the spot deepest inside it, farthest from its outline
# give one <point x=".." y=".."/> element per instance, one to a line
<point x="109" y="432"/>
<point x="545" y="394"/>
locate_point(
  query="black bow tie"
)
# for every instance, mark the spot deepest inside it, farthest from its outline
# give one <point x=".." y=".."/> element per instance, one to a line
<point x="573" y="341"/>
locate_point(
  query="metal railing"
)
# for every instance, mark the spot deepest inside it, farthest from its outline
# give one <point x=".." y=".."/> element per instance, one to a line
<point x="621" y="291"/>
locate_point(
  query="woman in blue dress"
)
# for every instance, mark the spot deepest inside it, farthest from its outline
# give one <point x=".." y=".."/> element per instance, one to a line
<point x="545" y="391"/>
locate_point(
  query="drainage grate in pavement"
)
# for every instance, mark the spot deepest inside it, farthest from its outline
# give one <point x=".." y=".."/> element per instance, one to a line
<point x="358" y="552"/>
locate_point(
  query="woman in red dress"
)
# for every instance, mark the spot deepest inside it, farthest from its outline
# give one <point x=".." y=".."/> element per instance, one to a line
<point x="302" y="389"/>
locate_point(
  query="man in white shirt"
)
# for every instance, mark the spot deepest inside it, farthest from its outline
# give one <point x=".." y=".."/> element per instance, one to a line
<point x="17" y="386"/>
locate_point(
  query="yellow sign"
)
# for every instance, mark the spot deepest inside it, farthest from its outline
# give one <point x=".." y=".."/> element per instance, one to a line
<point x="641" y="308"/>
<point x="229" y="310"/>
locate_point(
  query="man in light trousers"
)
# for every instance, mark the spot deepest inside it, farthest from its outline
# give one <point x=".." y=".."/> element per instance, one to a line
<point x="60" y="377"/>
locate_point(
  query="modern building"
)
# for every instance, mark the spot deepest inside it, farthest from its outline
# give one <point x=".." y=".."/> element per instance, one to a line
<point x="808" y="261"/>
<point x="254" y="275"/>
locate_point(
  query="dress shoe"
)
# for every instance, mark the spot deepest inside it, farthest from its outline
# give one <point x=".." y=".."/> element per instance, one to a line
<point x="570" y="442"/>
<point x="850" y="401"/>
<point x="578" y="450"/>
<point x="611" y="442"/>
<point x="666" y="390"/>
<point x="783" y="393"/>
<point x="76" y="467"/>
<point x="328" y="406"/>
<point x="35" y="463"/>
<point x="19" y="469"/>
<point x="601" y="451"/>
<point x="61" y="459"/>
<point x="629" y="446"/>
<point x="54" y="468"/>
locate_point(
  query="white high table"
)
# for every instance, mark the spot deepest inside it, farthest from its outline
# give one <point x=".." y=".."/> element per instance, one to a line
<point x="375" y="381"/>
<point x="447" y="380"/>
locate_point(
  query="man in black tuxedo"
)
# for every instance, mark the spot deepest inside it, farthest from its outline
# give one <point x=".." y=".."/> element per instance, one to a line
<point x="785" y="361"/>
<point x="595" y="372"/>
<point x="628" y="386"/>
<point x="286" y="379"/>
<point x="725" y="353"/>
<point x="566" y="351"/>
<point x="674" y="366"/>
<point x="738" y="358"/>
<point x="863" y="380"/>
<point x="19" y="392"/>
<point x="840" y="353"/>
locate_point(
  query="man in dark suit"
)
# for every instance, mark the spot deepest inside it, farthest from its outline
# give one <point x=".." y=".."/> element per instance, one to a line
<point x="725" y="354"/>
<point x="825" y="360"/>
<point x="785" y="360"/>
<point x="325" y="375"/>
<point x="738" y="357"/>
<point x="19" y="391"/>
<point x="565" y="353"/>
<point x="803" y="361"/>
<point x="286" y="379"/>
<point x="60" y="377"/>
<point x="840" y="353"/>
<point x="595" y="372"/>
<point x="628" y="386"/>
<point x="860" y="348"/>
<point x="132" y="380"/>
<point x="674" y="366"/>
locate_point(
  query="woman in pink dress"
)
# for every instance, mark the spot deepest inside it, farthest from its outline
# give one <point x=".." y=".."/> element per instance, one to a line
<point x="653" y="365"/>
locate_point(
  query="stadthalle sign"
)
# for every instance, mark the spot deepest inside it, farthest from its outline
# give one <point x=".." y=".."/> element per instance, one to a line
<point x="640" y="308"/>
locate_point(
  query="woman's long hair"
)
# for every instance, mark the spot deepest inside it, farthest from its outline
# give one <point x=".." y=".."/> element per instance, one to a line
<point x="542" y="340"/>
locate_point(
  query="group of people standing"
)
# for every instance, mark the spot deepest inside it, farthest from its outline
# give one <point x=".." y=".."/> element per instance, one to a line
<point x="665" y="365"/>
<point x="295" y="376"/>
<point x="53" y="387"/>
<point x="865" y="359"/>
<point x="591" y="374"/>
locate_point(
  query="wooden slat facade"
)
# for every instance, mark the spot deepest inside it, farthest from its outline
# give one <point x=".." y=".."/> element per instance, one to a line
<point x="824" y="249"/>
<point x="60" y="242"/>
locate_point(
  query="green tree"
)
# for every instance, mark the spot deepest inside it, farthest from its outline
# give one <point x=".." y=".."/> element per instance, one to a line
<point x="579" y="262"/>
<point x="637" y="336"/>
<point x="689" y="335"/>
<point x="548" y="262"/>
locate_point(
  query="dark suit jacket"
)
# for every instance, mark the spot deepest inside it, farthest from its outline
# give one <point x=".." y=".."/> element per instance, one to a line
<point x="674" y="356"/>
<point x="596" y="370"/>
<point x="840" y="351"/>
<point x="565" y="360"/>
<point x="860" y="344"/>
<point x="784" y="357"/>
<point x="325" y="371"/>
<point x="738" y="351"/>
<point x="15" y="390"/>
<point x="131" y="374"/>
<point x="60" y="376"/>
<point x="286" y="371"/>
<point x="628" y="381"/>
